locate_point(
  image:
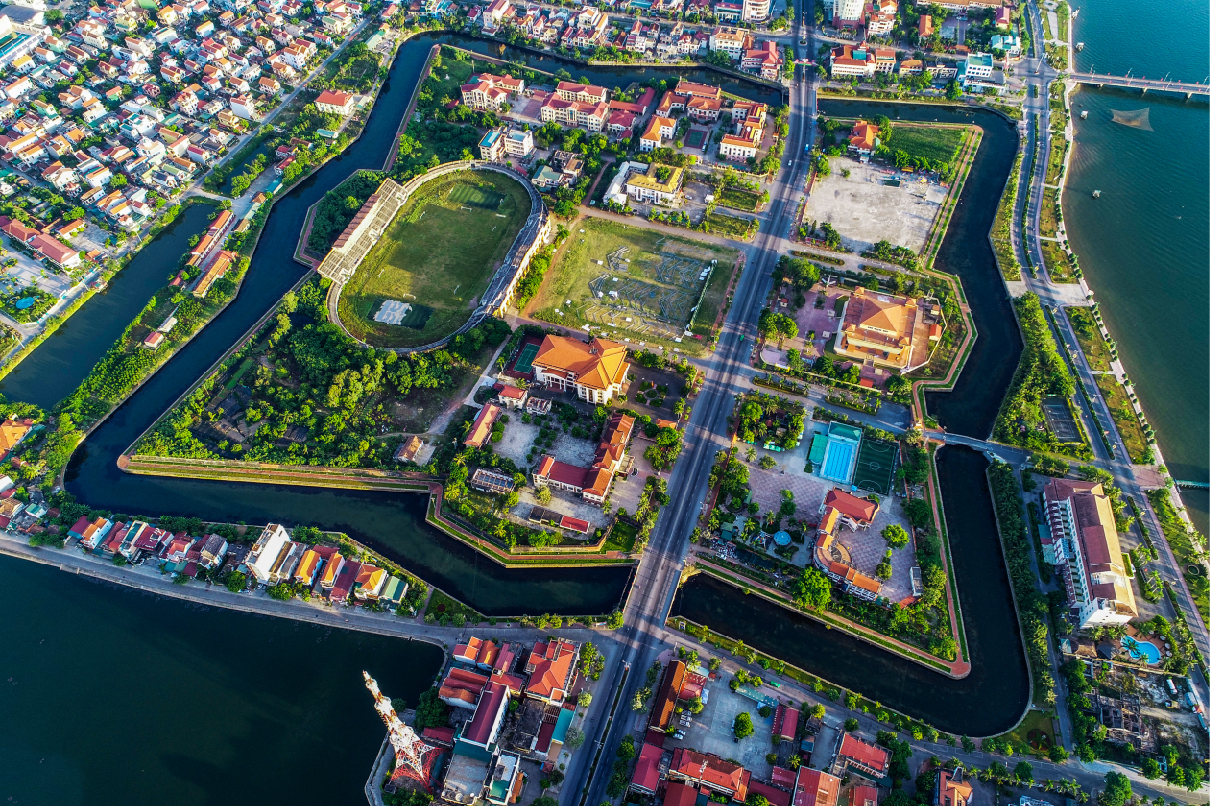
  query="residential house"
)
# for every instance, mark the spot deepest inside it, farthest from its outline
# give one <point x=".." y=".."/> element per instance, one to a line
<point x="552" y="670"/>
<point x="731" y="41"/>
<point x="269" y="554"/>
<point x="855" y="754"/>
<point x="340" y="103"/>
<point x="481" y="429"/>
<point x="812" y="787"/>
<point x="519" y="143"/>
<point x="491" y="146"/>
<point x="706" y="771"/>
<point x="864" y="139"/>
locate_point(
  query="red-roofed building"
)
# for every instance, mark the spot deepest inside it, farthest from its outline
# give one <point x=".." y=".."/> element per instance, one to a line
<point x="815" y="787"/>
<point x="663" y="710"/>
<point x="864" y="796"/>
<point x="477" y="653"/>
<point x="864" y="138"/>
<point x="340" y="103"/>
<point x="439" y="736"/>
<point x="785" y="723"/>
<point x="708" y="771"/>
<point x="552" y="670"/>
<point x="858" y="510"/>
<point x="484" y="727"/>
<point x="950" y="790"/>
<point x="481" y="429"/>
<point x="683" y="795"/>
<point x="646" y="777"/>
<point x="862" y="756"/>
<point x="773" y="795"/>
<point x="462" y="688"/>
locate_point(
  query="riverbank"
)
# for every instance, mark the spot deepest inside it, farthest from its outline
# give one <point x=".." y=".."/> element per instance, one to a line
<point x="366" y="479"/>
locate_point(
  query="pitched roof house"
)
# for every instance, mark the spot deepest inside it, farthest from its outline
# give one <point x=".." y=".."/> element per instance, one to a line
<point x="595" y="370"/>
<point x="552" y="670"/>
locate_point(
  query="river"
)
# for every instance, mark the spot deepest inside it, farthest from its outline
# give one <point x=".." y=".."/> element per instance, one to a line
<point x="1144" y="244"/>
<point x="113" y="696"/>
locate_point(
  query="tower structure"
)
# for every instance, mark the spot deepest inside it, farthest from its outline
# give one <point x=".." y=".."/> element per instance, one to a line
<point x="414" y="758"/>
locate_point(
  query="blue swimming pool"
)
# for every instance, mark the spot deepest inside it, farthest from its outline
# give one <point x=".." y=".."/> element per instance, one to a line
<point x="838" y="461"/>
<point x="25" y="302"/>
<point x="1140" y="651"/>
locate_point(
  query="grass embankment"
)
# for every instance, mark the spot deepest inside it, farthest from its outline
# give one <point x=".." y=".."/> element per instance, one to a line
<point x="236" y="471"/>
<point x="1001" y="235"/>
<point x="936" y="144"/>
<point x="1089" y="336"/>
<point x="1042" y="373"/>
<point x="666" y="266"/>
<point x="438" y="256"/>
<point x="1177" y="535"/>
<point x="1057" y="264"/>
<point x="1054" y="164"/>
<point x="961" y="171"/>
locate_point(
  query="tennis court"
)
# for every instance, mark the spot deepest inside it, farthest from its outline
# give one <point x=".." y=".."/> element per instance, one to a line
<point x="875" y="466"/>
<point x="525" y="361"/>
<point x="694" y="138"/>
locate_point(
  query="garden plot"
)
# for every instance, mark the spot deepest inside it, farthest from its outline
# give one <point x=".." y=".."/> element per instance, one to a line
<point x="634" y="285"/>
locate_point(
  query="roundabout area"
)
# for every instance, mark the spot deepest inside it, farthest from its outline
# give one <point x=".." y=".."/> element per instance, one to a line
<point x="424" y="261"/>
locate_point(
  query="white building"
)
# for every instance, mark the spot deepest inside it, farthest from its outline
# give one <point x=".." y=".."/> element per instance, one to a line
<point x="1080" y="538"/>
<point x="268" y="556"/>
<point x="518" y="143"/>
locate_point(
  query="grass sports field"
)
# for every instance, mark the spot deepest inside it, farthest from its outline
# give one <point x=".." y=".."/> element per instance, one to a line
<point x="611" y="272"/>
<point x="439" y="254"/>
<point x="875" y="467"/>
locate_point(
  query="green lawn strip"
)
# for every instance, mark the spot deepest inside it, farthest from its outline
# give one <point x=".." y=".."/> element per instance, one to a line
<point x="621" y="537"/>
<point x="440" y="252"/>
<point x="951" y="577"/>
<point x="482" y="546"/>
<point x="1123" y="414"/>
<point x="1001" y="234"/>
<point x="1047" y="223"/>
<point x="1178" y="540"/>
<point x="847" y="627"/>
<point x="1035" y="719"/>
<point x="715" y="297"/>
<point x="1088" y="334"/>
<point x="1057" y="265"/>
<point x="739" y="198"/>
<point x="735" y="227"/>
<point x="446" y="609"/>
<point x="1058" y="148"/>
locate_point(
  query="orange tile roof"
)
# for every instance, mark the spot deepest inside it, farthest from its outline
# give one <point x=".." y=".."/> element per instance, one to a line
<point x="481" y="429"/>
<point x="596" y="365"/>
<point x="13" y="432"/>
<point x="849" y="505"/>
<point x="551" y="669"/>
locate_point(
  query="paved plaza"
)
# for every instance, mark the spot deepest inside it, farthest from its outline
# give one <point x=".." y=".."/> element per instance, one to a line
<point x="865" y="546"/>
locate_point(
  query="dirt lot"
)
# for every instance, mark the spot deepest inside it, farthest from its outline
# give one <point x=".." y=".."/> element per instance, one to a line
<point x="864" y="211"/>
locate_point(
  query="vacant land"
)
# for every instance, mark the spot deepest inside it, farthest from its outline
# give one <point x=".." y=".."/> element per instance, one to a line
<point x="1089" y="336"/>
<point x="637" y="284"/>
<point x="865" y="211"/>
<point x="937" y="144"/>
<point x="439" y="254"/>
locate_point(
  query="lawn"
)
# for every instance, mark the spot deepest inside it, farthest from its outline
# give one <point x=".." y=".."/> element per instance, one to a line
<point x="1182" y="548"/>
<point x="621" y="538"/>
<point x="1057" y="265"/>
<point x="739" y="198"/>
<point x="657" y="289"/>
<point x="729" y="226"/>
<point x="1039" y="724"/>
<point x="1058" y="148"/>
<point x="439" y="254"/>
<point x="933" y="143"/>
<point x="1048" y="223"/>
<point x="1122" y="411"/>
<point x="1089" y="336"/>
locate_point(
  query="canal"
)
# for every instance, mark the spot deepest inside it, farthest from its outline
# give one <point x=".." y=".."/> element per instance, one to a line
<point x="283" y="683"/>
<point x="996" y="693"/>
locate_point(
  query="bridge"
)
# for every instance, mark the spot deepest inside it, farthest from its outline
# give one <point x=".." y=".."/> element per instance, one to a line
<point x="1143" y="83"/>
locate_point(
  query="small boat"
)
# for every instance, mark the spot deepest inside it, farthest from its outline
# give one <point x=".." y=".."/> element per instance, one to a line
<point x="1079" y="46"/>
<point x="1084" y="115"/>
<point x="1096" y="194"/>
